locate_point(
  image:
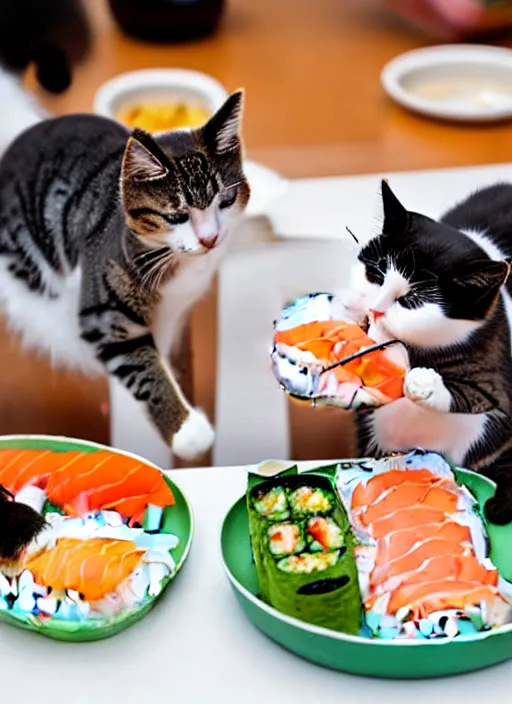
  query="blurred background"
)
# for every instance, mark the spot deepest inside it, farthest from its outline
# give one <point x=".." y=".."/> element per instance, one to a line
<point x="315" y="107"/>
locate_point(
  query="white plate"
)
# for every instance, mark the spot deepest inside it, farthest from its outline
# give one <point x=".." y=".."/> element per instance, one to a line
<point x="471" y="83"/>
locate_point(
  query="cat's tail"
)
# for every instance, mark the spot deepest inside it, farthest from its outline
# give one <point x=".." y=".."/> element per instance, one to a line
<point x="18" y="109"/>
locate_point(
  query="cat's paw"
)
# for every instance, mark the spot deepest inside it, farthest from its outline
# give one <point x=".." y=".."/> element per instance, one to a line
<point x="195" y="437"/>
<point x="426" y="388"/>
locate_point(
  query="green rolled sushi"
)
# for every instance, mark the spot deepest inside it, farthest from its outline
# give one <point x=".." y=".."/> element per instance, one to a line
<point x="324" y="534"/>
<point x="285" y="539"/>
<point x="272" y="504"/>
<point x="305" y="564"/>
<point x="308" y="501"/>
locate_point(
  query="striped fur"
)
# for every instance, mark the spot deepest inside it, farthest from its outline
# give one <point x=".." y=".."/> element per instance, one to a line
<point x="106" y="242"/>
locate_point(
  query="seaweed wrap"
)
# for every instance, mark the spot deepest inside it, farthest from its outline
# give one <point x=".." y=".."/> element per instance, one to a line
<point x="303" y="549"/>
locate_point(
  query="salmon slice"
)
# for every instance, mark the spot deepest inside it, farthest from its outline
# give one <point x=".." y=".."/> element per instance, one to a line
<point x="399" y="542"/>
<point x="94" y="567"/>
<point x="102" y="479"/>
<point x="439" y="595"/>
<point x="92" y="491"/>
<point x="332" y="331"/>
<point x="65" y="483"/>
<point x="366" y="495"/>
<point x="84" y="481"/>
<point x="434" y="569"/>
<point x="21" y="468"/>
<point x="414" y="558"/>
<point x="408" y="495"/>
<point x="406" y="518"/>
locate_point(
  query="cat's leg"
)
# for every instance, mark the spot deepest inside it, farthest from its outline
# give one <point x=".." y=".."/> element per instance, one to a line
<point x="142" y="370"/>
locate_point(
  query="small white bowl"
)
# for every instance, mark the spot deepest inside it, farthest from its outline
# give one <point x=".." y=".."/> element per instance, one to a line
<point x="158" y="84"/>
<point x="470" y="83"/>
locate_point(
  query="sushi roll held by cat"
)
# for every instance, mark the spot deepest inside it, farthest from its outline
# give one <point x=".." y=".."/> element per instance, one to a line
<point x="443" y="289"/>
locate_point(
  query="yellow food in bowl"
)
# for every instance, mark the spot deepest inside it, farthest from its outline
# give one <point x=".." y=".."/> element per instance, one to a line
<point x="160" y="117"/>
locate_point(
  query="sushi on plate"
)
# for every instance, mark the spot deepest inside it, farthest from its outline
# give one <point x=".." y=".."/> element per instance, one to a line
<point x="303" y="549"/>
<point x="82" y="534"/>
<point x="422" y="558"/>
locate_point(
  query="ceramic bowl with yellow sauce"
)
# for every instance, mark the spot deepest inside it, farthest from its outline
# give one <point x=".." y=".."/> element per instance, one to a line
<point x="158" y="100"/>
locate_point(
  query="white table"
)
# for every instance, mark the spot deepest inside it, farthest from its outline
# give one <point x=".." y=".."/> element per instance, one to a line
<point x="197" y="647"/>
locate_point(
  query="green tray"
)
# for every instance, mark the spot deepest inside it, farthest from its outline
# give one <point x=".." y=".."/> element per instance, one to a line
<point x="413" y="659"/>
<point x="178" y="521"/>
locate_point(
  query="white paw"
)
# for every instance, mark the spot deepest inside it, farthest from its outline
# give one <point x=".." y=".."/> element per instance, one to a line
<point x="195" y="437"/>
<point x="426" y="387"/>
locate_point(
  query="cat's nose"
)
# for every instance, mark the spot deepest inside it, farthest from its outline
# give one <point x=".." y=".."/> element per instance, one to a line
<point x="209" y="242"/>
<point x="376" y="314"/>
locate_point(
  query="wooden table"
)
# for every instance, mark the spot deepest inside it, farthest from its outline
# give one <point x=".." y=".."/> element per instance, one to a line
<point x="314" y="108"/>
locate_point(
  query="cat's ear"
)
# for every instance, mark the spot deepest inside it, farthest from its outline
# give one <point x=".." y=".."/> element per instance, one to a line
<point x="223" y="129"/>
<point x="139" y="163"/>
<point x="396" y="217"/>
<point x="480" y="282"/>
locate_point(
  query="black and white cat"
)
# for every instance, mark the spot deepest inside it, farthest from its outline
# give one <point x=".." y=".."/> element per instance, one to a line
<point x="443" y="289"/>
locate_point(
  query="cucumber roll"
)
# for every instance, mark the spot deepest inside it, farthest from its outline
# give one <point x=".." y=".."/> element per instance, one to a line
<point x="305" y="565"/>
<point x="309" y="562"/>
<point x="285" y="539"/>
<point x="308" y="501"/>
<point x="272" y="504"/>
<point x="323" y="534"/>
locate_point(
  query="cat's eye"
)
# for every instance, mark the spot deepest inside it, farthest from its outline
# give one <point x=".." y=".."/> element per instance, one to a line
<point x="409" y="301"/>
<point x="229" y="200"/>
<point x="374" y="276"/>
<point x="177" y="218"/>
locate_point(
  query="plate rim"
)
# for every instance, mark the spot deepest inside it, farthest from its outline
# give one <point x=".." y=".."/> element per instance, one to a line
<point x="338" y="635"/>
<point x="104" y="630"/>
<point x="436" y="55"/>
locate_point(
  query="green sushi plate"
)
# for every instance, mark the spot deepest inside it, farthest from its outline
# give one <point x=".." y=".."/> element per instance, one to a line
<point x="400" y="659"/>
<point x="178" y="520"/>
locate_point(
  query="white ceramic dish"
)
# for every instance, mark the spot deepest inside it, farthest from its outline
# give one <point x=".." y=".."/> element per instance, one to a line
<point x="469" y="83"/>
<point x="157" y="84"/>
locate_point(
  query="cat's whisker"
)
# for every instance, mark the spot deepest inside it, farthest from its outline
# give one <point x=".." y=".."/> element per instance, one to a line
<point x="153" y="277"/>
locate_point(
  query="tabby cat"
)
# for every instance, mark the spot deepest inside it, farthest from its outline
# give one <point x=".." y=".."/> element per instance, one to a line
<point x="443" y="289"/>
<point x="107" y="239"/>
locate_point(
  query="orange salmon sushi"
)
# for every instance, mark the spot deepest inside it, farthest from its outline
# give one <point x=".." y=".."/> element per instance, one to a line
<point x="94" y="567"/>
<point x="331" y="341"/>
<point x="80" y="482"/>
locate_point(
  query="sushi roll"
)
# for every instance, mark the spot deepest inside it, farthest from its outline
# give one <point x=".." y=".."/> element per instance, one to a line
<point x="272" y="504"/>
<point x="309" y="500"/>
<point x="323" y="534"/>
<point x="309" y="562"/>
<point x="306" y="565"/>
<point x="285" y="539"/>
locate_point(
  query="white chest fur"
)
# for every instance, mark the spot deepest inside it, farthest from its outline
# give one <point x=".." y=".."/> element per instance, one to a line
<point x="48" y="324"/>
<point x="190" y="283"/>
<point x="404" y="425"/>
